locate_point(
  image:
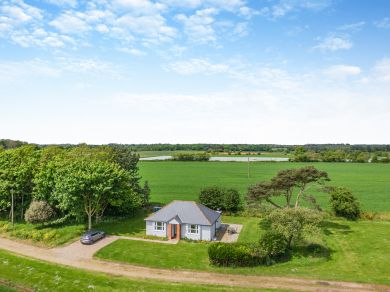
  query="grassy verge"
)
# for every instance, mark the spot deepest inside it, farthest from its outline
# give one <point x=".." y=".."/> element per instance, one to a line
<point x="133" y="226"/>
<point x="360" y="251"/>
<point x="40" y="235"/>
<point x="170" y="180"/>
<point x="41" y="276"/>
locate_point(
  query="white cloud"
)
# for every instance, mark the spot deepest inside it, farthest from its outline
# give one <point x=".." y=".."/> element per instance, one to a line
<point x="71" y="3"/>
<point x="334" y="43"/>
<point x="152" y="28"/>
<point x="383" y="23"/>
<point x="285" y="7"/>
<point x="342" y="71"/>
<point x="198" y="26"/>
<point x="198" y="66"/>
<point x="229" y="5"/>
<point x="382" y="70"/>
<point x="353" y="27"/>
<point x="139" y="7"/>
<point x="241" y="29"/>
<point x="132" y="51"/>
<point x="70" y="23"/>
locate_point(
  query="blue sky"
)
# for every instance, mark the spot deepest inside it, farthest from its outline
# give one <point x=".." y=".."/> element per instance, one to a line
<point x="195" y="71"/>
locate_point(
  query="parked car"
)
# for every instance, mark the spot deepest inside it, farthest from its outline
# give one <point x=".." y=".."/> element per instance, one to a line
<point x="92" y="236"/>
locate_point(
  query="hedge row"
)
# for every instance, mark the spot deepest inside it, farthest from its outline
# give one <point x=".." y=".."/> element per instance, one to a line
<point x="191" y="157"/>
<point x="235" y="255"/>
<point x="271" y="247"/>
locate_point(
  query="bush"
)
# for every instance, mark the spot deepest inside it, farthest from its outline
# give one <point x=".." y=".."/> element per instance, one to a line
<point x="39" y="212"/>
<point x="191" y="157"/>
<point x="344" y="204"/>
<point x="231" y="200"/>
<point x="294" y="223"/>
<point x="233" y="255"/>
<point x="273" y="243"/>
<point x="212" y="197"/>
<point x="220" y="198"/>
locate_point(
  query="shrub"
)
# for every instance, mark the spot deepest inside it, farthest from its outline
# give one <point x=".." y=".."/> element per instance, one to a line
<point x="344" y="204"/>
<point x="211" y="197"/>
<point x="220" y="198"/>
<point x="39" y="212"/>
<point x="233" y="254"/>
<point x="231" y="200"/>
<point x="191" y="157"/>
<point x="294" y="223"/>
<point x="273" y="244"/>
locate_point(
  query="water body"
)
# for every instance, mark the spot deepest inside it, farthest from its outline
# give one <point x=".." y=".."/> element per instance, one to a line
<point x="224" y="158"/>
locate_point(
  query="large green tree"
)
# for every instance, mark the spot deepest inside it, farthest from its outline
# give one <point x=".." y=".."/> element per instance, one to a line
<point x="17" y="168"/>
<point x="293" y="223"/>
<point x="89" y="186"/>
<point x="284" y="184"/>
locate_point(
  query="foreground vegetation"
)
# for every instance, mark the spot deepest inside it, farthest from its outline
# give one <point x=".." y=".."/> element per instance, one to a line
<point x="41" y="235"/>
<point x="43" y="276"/>
<point x="358" y="251"/>
<point x="170" y="180"/>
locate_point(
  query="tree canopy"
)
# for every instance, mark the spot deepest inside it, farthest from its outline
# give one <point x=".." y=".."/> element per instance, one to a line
<point x="284" y="184"/>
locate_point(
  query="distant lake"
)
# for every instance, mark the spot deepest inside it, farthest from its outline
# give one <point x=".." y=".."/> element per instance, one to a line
<point x="225" y="158"/>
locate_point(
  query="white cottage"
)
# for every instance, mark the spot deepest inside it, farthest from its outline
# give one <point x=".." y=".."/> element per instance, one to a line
<point x="184" y="219"/>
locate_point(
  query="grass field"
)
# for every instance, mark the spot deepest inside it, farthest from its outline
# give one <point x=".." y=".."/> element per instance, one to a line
<point x="171" y="180"/>
<point x="42" y="276"/>
<point x="360" y="251"/>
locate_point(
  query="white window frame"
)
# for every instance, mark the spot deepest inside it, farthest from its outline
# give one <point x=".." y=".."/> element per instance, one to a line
<point x="159" y="226"/>
<point x="189" y="229"/>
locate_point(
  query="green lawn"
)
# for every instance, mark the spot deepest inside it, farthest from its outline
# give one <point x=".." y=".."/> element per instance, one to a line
<point x="170" y="180"/>
<point x="133" y="226"/>
<point x="360" y="251"/>
<point x="40" y="235"/>
<point x="42" y="276"/>
<point x="6" y="289"/>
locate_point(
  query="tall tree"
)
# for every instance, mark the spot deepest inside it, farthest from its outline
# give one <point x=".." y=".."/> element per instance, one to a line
<point x="285" y="183"/>
<point x="16" y="175"/>
<point x="89" y="186"/>
<point x="305" y="176"/>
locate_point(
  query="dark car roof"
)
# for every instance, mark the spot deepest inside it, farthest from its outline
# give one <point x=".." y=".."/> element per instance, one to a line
<point x="92" y="232"/>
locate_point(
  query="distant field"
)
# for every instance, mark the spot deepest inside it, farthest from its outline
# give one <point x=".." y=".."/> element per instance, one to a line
<point x="171" y="180"/>
<point x="144" y="154"/>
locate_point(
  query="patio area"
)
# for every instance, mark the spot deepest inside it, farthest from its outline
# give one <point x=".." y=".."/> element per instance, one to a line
<point x="229" y="232"/>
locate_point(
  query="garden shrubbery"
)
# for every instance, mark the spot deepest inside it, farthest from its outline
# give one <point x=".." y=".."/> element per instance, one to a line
<point x="39" y="212"/>
<point x="343" y="203"/>
<point x="234" y="255"/>
<point x="220" y="198"/>
<point x="266" y="252"/>
<point x="273" y="244"/>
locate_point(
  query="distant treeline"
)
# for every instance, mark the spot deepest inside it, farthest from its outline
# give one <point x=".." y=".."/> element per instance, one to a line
<point x="315" y="148"/>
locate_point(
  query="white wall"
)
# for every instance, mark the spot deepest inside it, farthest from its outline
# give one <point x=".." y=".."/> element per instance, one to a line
<point x="207" y="232"/>
<point x="219" y="221"/>
<point x="185" y="234"/>
<point x="150" y="230"/>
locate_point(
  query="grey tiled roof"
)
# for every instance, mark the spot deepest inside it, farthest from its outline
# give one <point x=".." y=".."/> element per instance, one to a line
<point x="188" y="212"/>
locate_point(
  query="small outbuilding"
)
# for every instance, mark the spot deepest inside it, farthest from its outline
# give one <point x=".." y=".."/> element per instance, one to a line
<point x="184" y="219"/>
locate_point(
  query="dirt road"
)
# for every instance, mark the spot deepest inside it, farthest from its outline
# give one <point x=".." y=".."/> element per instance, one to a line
<point x="80" y="256"/>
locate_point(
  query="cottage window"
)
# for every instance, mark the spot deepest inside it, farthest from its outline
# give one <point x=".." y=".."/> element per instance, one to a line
<point x="159" y="226"/>
<point x="193" y="229"/>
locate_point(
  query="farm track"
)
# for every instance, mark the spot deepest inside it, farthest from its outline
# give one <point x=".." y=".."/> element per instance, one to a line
<point x="80" y="256"/>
